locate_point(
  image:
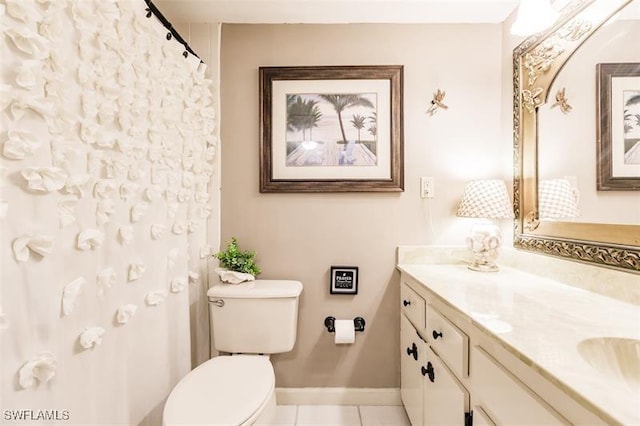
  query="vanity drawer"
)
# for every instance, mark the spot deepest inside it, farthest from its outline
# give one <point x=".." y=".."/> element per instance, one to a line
<point x="413" y="306"/>
<point x="508" y="399"/>
<point x="448" y="341"/>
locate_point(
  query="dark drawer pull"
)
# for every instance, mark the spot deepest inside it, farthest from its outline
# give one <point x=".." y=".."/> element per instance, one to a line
<point x="429" y="372"/>
<point x="406" y="302"/>
<point x="413" y="350"/>
<point x="435" y="335"/>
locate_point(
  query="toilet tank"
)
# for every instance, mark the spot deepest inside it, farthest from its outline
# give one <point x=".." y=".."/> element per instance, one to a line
<point x="257" y="317"/>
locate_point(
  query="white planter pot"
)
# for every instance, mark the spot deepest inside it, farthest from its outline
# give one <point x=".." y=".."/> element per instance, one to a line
<point x="233" y="277"/>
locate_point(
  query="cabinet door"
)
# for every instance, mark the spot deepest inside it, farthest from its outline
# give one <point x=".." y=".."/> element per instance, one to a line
<point x="509" y="401"/>
<point x="480" y="418"/>
<point x="412" y="354"/>
<point x="446" y="400"/>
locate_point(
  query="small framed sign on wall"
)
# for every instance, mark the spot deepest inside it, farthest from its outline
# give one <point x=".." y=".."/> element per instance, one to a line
<point x="344" y="280"/>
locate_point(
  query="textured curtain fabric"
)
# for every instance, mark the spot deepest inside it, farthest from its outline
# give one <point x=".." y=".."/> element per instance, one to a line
<point x="107" y="153"/>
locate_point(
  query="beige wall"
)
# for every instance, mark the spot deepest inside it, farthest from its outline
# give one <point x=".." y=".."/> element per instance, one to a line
<point x="299" y="236"/>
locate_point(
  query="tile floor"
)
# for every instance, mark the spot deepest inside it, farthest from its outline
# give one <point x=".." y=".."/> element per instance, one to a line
<point x="341" y="415"/>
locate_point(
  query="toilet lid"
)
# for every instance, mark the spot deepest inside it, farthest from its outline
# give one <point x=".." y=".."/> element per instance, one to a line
<point x="226" y="390"/>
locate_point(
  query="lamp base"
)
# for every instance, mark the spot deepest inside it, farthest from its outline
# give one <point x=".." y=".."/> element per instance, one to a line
<point x="484" y="267"/>
<point x="484" y="243"/>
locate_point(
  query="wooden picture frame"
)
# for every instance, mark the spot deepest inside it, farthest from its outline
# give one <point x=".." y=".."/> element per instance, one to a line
<point x="331" y="129"/>
<point x="344" y="280"/>
<point x="618" y="126"/>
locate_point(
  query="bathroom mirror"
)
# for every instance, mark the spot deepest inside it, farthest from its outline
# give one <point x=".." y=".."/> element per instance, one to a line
<point x="562" y="206"/>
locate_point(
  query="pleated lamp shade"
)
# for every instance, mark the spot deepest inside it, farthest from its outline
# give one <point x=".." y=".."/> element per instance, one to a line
<point x="557" y="199"/>
<point x="487" y="199"/>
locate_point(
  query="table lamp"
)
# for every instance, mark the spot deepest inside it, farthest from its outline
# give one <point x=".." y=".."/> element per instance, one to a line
<point x="485" y="200"/>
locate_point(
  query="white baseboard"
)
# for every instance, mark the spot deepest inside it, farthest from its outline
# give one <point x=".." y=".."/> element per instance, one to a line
<point x="338" y="396"/>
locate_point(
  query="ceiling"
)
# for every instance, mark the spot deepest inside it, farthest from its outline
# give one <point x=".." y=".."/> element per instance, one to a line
<point x="336" y="11"/>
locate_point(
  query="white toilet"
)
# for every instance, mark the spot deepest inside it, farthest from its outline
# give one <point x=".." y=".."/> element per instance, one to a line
<point x="249" y="321"/>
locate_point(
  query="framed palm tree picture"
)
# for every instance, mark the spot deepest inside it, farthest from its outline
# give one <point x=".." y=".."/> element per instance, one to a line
<point x="618" y="126"/>
<point x="331" y="129"/>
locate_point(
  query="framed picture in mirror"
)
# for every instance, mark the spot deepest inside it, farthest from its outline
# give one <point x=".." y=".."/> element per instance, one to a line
<point x="618" y="126"/>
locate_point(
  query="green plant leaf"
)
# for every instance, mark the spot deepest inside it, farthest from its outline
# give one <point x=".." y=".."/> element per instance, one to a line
<point x="238" y="260"/>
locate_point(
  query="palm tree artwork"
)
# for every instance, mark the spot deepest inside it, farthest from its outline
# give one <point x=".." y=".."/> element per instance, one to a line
<point x="302" y="114"/>
<point x="341" y="102"/>
<point x="373" y="126"/>
<point x="631" y="127"/>
<point x="358" y="122"/>
<point x="316" y="134"/>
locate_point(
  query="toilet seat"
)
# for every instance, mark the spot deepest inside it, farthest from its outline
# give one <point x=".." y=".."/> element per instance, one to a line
<point x="226" y="390"/>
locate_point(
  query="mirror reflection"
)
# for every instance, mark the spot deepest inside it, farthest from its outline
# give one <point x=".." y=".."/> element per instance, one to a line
<point x="577" y="186"/>
<point x="567" y="130"/>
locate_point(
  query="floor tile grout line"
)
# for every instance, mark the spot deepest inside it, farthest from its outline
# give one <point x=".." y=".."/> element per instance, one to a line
<point x="360" y="420"/>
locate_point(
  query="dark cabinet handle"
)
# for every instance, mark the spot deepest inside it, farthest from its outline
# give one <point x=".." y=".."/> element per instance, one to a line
<point x="413" y="350"/>
<point x="429" y="372"/>
<point x="406" y="302"/>
<point x="435" y="335"/>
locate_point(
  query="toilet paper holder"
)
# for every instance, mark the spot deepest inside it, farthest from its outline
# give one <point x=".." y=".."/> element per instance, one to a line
<point x="330" y="324"/>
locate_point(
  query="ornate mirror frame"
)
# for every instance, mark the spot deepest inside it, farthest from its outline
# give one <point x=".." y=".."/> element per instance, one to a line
<point x="536" y="62"/>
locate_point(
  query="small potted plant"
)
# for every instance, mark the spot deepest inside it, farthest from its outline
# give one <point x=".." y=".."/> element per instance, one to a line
<point x="236" y="265"/>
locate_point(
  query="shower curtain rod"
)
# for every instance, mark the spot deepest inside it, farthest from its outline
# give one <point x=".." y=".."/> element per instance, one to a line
<point x="152" y="9"/>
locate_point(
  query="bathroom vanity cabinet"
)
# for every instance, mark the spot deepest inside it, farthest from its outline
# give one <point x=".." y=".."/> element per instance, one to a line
<point x="458" y="369"/>
<point x="413" y="354"/>
<point x="431" y="390"/>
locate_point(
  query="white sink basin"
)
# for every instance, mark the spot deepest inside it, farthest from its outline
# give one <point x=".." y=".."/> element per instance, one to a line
<point x="614" y="356"/>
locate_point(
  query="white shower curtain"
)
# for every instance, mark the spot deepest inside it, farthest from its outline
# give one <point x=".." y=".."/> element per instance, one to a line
<point x="107" y="153"/>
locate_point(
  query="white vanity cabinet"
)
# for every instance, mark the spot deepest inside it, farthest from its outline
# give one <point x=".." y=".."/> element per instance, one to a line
<point x="412" y="355"/>
<point x="480" y="418"/>
<point x="413" y="351"/>
<point x="464" y="375"/>
<point x="505" y="397"/>
<point x="433" y="353"/>
<point x="446" y="401"/>
<point x="451" y="343"/>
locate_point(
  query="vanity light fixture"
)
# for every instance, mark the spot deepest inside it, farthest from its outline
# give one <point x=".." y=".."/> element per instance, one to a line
<point x="533" y="17"/>
<point x="485" y="200"/>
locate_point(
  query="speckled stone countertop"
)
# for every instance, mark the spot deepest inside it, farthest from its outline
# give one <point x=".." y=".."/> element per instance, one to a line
<point x="542" y="321"/>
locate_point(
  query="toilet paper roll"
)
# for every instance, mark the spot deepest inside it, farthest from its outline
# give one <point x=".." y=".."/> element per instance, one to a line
<point x="345" y="332"/>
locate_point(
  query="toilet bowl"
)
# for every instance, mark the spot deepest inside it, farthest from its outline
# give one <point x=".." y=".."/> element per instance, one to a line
<point x="227" y="390"/>
<point x="248" y="321"/>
